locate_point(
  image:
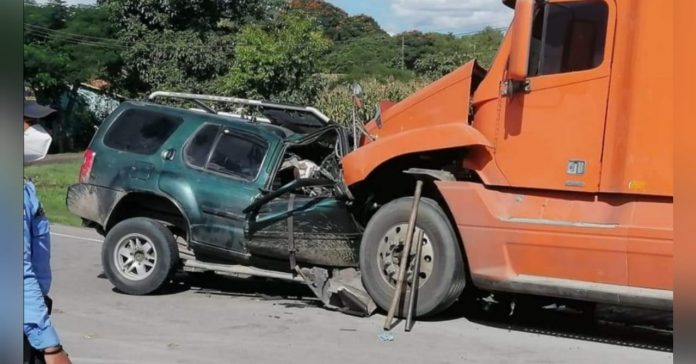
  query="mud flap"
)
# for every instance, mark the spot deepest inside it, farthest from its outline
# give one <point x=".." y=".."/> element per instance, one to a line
<point x="339" y="290"/>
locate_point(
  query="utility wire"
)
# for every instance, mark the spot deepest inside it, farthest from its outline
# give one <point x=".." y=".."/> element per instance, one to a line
<point x="76" y="41"/>
<point x="68" y="34"/>
<point x="74" y="38"/>
<point x="106" y="42"/>
<point x="109" y="43"/>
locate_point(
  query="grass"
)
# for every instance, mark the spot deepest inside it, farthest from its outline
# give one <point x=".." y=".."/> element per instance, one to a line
<point x="52" y="181"/>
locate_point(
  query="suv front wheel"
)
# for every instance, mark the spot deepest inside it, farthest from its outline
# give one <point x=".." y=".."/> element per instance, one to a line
<point x="139" y="256"/>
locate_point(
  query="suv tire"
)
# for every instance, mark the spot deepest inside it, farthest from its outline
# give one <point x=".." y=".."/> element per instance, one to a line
<point x="445" y="279"/>
<point x="139" y="256"/>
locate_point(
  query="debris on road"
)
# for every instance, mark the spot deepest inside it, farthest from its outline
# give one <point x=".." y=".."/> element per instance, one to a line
<point x="340" y="290"/>
<point x="386" y="337"/>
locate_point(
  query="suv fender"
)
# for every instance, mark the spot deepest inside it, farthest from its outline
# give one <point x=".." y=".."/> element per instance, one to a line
<point x="155" y="203"/>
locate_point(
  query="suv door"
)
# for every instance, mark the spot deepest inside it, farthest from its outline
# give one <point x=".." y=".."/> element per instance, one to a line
<point x="319" y="228"/>
<point x="223" y="172"/>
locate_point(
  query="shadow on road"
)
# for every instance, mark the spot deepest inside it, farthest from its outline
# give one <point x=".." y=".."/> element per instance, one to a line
<point x="623" y="326"/>
<point x="615" y="325"/>
<point x="259" y="288"/>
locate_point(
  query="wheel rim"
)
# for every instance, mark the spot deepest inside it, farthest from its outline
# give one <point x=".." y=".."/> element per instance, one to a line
<point x="135" y="257"/>
<point x="390" y="253"/>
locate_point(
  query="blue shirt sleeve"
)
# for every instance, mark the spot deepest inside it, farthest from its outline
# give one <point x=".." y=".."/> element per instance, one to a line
<point x="37" y="324"/>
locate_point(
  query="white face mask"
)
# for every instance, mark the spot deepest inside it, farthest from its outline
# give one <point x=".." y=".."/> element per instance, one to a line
<point x="36" y="143"/>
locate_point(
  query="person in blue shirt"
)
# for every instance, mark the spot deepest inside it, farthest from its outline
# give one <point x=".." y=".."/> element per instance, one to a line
<point x="41" y="342"/>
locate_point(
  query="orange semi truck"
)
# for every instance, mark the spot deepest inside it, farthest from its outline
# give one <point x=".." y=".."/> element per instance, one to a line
<point x="549" y="174"/>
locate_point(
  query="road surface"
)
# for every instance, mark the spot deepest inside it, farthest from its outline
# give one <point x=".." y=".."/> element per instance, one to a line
<point x="255" y="321"/>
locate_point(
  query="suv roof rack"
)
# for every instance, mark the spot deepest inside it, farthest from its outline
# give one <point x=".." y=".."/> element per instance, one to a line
<point x="199" y="99"/>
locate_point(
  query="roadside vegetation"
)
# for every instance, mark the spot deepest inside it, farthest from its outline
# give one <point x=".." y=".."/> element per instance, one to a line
<point x="299" y="51"/>
<point x="52" y="180"/>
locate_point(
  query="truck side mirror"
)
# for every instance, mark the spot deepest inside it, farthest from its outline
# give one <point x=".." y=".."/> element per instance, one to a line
<point x="521" y="40"/>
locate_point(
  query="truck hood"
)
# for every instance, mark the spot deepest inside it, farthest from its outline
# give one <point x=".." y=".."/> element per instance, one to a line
<point x="446" y="100"/>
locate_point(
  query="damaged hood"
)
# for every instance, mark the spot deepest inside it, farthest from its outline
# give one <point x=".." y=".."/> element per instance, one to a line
<point x="446" y="100"/>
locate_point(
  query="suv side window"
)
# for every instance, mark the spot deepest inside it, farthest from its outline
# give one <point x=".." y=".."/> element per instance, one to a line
<point x="141" y="131"/>
<point x="568" y="37"/>
<point x="198" y="149"/>
<point x="237" y="156"/>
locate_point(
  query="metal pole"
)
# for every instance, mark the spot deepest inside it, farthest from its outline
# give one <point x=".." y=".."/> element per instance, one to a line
<point x="355" y="132"/>
<point x="404" y="259"/>
<point x="414" y="281"/>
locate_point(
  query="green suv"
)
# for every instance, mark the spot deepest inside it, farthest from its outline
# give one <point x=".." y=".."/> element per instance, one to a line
<point x="202" y="190"/>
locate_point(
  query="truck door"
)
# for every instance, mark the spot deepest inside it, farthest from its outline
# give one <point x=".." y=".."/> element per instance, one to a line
<point x="553" y="127"/>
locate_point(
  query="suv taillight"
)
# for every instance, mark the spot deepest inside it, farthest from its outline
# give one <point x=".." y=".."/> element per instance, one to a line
<point x="86" y="167"/>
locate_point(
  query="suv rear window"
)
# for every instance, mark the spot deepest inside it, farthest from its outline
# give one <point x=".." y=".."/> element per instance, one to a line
<point x="141" y="131"/>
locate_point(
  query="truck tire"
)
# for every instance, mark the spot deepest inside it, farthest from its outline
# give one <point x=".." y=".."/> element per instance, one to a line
<point x="442" y="274"/>
<point x="139" y="256"/>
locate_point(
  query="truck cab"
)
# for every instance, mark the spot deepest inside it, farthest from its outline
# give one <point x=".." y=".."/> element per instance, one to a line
<point x="557" y="162"/>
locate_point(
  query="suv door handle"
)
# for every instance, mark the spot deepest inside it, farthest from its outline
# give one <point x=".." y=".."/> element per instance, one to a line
<point x="168" y="154"/>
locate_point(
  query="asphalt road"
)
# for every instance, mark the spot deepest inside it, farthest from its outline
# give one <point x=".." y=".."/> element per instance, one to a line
<point x="222" y="320"/>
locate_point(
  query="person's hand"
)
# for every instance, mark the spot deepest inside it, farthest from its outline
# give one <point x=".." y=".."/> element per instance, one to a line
<point x="59" y="358"/>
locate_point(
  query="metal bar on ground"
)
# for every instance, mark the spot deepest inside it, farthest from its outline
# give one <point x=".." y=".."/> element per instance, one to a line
<point x="404" y="260"/>
<point x="414" y="280"/>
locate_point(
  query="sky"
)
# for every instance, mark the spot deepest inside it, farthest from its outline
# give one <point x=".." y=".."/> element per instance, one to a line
<point x="456" y="16"/>
<point x="394" y="16"/>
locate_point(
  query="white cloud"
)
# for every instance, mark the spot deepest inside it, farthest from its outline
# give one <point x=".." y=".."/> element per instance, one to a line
<point x="456" y="16"/>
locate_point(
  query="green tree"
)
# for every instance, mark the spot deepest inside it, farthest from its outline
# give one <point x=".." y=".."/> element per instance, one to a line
<point x="485" y="45"/>
<point x="65" y="46"/>
<point x="191" y="15"/>
<point x="371" y="56"/>
<point x="356" y="27"/>
<point x="181" y="45"/>
<point x="434" y="66"/>
<point x="276" y="63"/>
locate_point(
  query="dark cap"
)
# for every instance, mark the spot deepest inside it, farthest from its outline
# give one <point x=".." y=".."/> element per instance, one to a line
<point x="32" y="109"/>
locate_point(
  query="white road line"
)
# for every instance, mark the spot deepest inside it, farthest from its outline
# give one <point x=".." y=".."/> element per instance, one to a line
<point x="76" y="237"/>
<point x="99" y="360"/>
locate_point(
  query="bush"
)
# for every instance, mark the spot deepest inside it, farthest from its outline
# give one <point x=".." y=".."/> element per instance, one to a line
<point x="336" y="99"/>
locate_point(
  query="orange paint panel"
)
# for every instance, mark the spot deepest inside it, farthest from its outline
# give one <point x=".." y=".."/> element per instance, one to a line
<point x="561" y="235"/>
<point x="433" y="118"/>
<point x="443" y="101"/>
<point x="569" y="257"/>
<point x="638" y="153"/>
<point x="560" y="120"/>
<point x="358" y="164"/>
<point x="651" y="271"/>
<point x="486" y="256"/>
<point x="650" y="258"/>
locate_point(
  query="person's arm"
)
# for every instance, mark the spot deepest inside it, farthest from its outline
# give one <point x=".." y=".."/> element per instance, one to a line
<point x="37" y="324"/>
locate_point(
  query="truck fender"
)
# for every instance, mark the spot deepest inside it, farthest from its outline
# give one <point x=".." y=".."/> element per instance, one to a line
<point x="358" y="164"/>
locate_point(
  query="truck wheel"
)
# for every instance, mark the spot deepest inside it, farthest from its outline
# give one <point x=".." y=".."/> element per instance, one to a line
<point x="139" y="256"/>
<point x="441" y="277"/>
